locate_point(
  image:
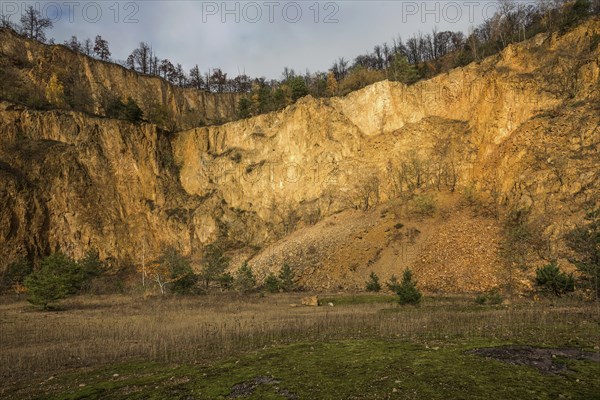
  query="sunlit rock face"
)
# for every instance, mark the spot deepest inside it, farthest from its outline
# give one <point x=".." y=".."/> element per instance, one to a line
<point x="520" y="127"/>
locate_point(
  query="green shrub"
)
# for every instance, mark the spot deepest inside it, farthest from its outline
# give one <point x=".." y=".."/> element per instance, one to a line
<point x="226" y="281"/>
<point x="91" y="268"/>
<point x="424" y="205"/>
<point x="58" y="277"/>
<point x="393" y="284"/>
<point x="181" y="275"/>
<point x="373" y="285"/>
<point x="492" y="297"/>
<point x="286" y="278"/>
<point x="214" y="264"/>
<point x="407" y="290"/>
<point x="132" y="112"/>
<point x="129" y="110"/>
<point x="552" y="280"/>
<point x="272" y="283"/>
<point x="585" y="241"/>
<point x="244" y="279"/>
<point x="15" y="275"/>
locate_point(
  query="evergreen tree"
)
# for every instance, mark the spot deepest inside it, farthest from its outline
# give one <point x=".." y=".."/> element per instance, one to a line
<point x="244" y="278"/>
<point x="552" y="280"/>
<point x="407" y="291"/>
<point x="101" y="48"/>
<point x="58" y="277"/>
<point x="373" y="285"/>
<point x="181" y="275"/>
<point x="272" y="283"/>
<point x="286" y="278"/>
<point x="214" y="264"/>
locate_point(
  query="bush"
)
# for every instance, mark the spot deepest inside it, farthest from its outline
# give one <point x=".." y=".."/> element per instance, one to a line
<point x="373" y="285"/>
<point x="424" y="205"/>
<point x="129" y="110"/>
<point x="181" y="275"/>
<point x="214" y="264"/>
<point x="132" y="112"/>
<point x="392" y="284"/>
<point x="272" y="283"/>
<point x="552" y="280"/>
<point x="58" y="277"/>
<point x="91" y="267"/>
<point x="585" y="240"/>
<point x="407" y="291"/>
<point x="286" y="278"/>
<point x="244" y="279"/>
<point x="226" y="281"/>
<point x="493" y="297"/>
<point x="15" y="275"/>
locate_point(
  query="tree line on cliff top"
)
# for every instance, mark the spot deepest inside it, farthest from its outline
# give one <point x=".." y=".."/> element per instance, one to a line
<point x="421" y="56"/>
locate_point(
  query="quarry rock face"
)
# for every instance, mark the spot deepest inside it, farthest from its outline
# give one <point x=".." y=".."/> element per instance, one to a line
<point x="520" y="128"/>
<point x="93" y="82"/>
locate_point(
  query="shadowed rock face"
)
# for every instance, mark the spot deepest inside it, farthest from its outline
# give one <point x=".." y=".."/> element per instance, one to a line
<point x="520" y="128"/>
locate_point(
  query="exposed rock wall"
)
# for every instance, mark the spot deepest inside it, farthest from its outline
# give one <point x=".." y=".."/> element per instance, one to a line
<point x="89" y="83"/>
<point x="521" y="126"/>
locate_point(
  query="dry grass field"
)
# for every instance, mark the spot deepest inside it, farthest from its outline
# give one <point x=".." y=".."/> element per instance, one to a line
<point x="107" y="332"/>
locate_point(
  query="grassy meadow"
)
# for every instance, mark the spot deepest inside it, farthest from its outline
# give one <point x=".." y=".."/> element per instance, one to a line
<point x="226" y="345"/>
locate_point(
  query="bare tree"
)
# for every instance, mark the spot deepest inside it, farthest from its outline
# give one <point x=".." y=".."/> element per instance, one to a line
<point x="73" y="44"/>
<point x="142" y="57"/>
<point x="33" y="25"/>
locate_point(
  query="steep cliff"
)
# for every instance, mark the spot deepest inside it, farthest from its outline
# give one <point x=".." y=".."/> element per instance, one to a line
<point x="461" y="126"/>
<point x="324" y="184"/>
<point x="90" y="84"/>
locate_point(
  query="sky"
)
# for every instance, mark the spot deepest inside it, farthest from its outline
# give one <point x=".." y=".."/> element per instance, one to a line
<point x="258" y="38"/>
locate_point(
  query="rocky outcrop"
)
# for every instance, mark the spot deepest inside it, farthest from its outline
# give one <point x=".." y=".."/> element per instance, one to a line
<point x="520" y="128"/>
<point x="324" y="153"/>
<point x="89" y="84"/>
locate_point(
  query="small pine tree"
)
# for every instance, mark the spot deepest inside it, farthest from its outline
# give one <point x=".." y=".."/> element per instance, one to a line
<point x="286" y="278"/>
<point x="226" y="281"/>
<point x="552" y="280"/>
<point x="272" y="283"/>
<point x="90" y="268"/>
<point x="373" y="285"/>
<point x="407" y="291"/>
<point x="214" y="264"/>
<point x="15" y="275"/>
<point x="585" y="241"/>
<point x="244" y="279"/>
<point x="58" y="277"/>
<point x="392" y="284"/>
<point x="181" y="275"/>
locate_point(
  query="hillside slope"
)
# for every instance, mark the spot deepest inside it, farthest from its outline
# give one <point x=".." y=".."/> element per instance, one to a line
<point x="90" y="85"/>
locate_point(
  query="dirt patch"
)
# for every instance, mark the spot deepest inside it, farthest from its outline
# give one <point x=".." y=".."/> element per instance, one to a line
<point x="247" y="388"/>
<point x="548" y="361"/>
